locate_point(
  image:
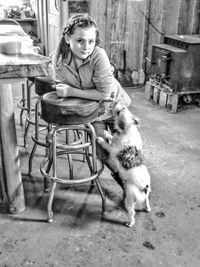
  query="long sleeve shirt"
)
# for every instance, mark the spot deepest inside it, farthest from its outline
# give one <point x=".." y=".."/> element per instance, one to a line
<point x="95" y="73"/>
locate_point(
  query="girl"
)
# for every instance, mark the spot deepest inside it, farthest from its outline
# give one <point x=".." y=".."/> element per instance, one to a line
<point x="84" y="71"/>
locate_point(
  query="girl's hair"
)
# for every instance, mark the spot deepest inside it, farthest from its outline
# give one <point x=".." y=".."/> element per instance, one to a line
<point x="75" y="21"/>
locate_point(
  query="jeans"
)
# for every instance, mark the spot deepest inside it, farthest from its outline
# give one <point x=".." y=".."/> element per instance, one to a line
<point x="102" y="153"/>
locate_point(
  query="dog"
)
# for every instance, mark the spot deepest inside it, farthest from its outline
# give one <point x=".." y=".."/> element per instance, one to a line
<point x="125" y="148"/>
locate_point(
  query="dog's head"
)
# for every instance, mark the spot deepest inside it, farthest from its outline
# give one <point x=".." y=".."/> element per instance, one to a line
<point x="123" y="117"/>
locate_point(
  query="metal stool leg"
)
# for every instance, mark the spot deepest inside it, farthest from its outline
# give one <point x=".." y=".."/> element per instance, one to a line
<point x="93" y="140"/>
<point x="102" y="196"/>
<point x="69" y="157"/>
<point x="31" y="158"/>
<point x="54" y="151"/>
<point x="28" y="116"/>
<point x="50" y="163"/>
<point x="27" y="127"/>
<point x="49" y="206"/>
<point x="23" y="104"/>
<point x="71" y="172"/>
<point x="35" y="136"/>
<point x="46" y="189"/>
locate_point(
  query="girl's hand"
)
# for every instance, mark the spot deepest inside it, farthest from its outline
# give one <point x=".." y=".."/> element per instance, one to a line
<point x="62" y="90"/>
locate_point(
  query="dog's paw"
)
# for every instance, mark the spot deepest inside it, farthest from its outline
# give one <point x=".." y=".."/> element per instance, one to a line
<point x="100" y="140"/>
<point x="129" y="224"/>
<point x="148" y="209"/>
<point x="106" y="134"/>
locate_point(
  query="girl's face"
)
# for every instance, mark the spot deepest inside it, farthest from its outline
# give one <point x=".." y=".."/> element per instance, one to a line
<point x="82" y="41"/>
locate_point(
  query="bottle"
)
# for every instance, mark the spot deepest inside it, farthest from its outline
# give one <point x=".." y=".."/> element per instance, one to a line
<point x="141" y="79"/>
<point x="135" y="77"/>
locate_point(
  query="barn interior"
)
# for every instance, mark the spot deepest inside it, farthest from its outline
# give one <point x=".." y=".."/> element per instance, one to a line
<point x="154" y="47"/>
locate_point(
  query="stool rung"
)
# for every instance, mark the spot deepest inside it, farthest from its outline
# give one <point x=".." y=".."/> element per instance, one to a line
<point x="71" y="182"/>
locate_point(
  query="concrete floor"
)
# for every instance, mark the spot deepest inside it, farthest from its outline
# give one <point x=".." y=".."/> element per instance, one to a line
<point x="168" y="236"/>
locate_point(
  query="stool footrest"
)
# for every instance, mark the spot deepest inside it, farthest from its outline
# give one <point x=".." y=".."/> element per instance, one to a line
<point x="74" y="181"/>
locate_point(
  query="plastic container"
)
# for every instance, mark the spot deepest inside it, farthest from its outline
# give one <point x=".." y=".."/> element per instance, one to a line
<point x="10" y="45"/>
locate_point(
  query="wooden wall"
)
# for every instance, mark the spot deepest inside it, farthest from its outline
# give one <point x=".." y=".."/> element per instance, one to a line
<point x="126" y="27"/>
<point x="121" y="26"/>
<point x="127" y="34"/>
<point x="172" y="17"/>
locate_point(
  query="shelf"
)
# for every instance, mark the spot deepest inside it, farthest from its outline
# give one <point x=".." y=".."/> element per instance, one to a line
<point x="26" y="20"/>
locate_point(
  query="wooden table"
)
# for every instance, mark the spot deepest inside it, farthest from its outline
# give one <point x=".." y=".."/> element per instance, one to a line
<point x="14" y="68"/>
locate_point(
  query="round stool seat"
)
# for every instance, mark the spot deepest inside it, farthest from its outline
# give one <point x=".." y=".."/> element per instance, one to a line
<point x="43" y="85"/>
<point x="67" y="111"/>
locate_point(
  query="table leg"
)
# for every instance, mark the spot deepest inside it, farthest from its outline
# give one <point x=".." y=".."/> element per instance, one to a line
<point x="10" y="154"/>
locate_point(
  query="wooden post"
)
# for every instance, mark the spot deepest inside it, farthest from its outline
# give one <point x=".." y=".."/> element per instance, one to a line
<point x="163" y="99"/>
<point x="3" y="195"/>
<point x="172" y="103"/>
<point x="148" y="91"/>
<point x="156" y="94"/>
<point x="10" y="155"/>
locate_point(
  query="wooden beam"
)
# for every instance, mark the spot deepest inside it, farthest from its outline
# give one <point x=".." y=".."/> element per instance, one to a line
<point x="171" y="13"/>
<point x="186" y="13"/>
<point x="10" y="160"/>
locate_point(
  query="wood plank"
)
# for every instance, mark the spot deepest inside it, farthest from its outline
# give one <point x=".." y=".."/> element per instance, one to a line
<point x="185" y="16"/>
<point x="171" y="14"/>
<point x="98" y="10"/>
<point x="156" y="18"/>
<point x="10" y="157"/>
<point x="172" y="103"/>
<point x="156" y="95"/>
<point x="195" y="18"/>
<point x="42" y="19"/>
<point x="12" y="67"/>
<point x="108" y="26"/>
<point x="148" y="91"/>
<point x="23" y="65"/>
<point x="102" y="20"/>
<point x="163" y="99"/>
<point x="3" y="194"/>
<point x="63" y="16"/>
<point x="146" y="12"/>
<point x="118" y="25"/>
<point x="117" y="32"/>
<point x="135" y="34"/>
<point x="53" y="32"/>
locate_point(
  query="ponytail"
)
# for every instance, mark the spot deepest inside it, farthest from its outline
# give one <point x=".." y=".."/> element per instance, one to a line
<point x="61" y="50"/>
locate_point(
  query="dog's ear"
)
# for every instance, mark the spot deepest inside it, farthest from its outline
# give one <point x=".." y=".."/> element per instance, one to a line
<point x="117" y="107"/>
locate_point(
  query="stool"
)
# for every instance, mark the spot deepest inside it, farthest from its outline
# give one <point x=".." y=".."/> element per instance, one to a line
<point x="70" y="114"/>
<point x="25" y="105"/>
<point x="42" y="85"/>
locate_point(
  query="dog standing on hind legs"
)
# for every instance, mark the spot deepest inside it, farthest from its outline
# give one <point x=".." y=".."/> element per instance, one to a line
<point x="125" y="149"/>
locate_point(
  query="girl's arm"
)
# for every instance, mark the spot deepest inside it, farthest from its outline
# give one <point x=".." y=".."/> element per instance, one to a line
<point x="64" y="90"/>
<point x="101" y="78"/>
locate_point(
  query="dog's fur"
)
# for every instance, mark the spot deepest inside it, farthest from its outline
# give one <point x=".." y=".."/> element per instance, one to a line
<point x="125" y="149"/>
